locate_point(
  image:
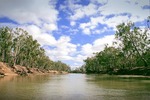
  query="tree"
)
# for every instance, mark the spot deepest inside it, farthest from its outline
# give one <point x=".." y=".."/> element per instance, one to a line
<point x="17" y="47"/>
<point x="5" y="44"/>
<point x="134" y="41"/>
<point x="18" y="43"/>
<point x="130" y="55"/>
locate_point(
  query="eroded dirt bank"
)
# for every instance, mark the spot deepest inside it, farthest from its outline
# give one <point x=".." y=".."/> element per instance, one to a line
<point x="6" y="70"/>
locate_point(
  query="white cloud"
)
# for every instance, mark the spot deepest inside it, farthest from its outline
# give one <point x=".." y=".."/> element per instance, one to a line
<point x="116" y="20"/>
<point x="90" y="27"/>
<point x="79" y="11"/>
<point x="110" y="13"/>
<point x="109" y="7"/>
<point x="63" y="49"/>
<point x="72" y="23"/>
<point x="46" y="39"/>
<point x="132" y="8"/>
<point x="99" y="31"/>
<point x="50" y="27"/>
<point x="33" y="30"/>
<point x="29" y="11"/>
<point x="122" y="6"/>
<point x="86" y="31"/>
<point x="84" y="25"/>
<point x="88" y="49"/>
<point x="80" y="58"/>
<point x="99" y="1"/>
<point x="40" y="35"/>
<point x="97" y="45"/>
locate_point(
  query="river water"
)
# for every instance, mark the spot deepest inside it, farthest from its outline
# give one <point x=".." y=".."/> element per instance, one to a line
<point x="74" y="87"/>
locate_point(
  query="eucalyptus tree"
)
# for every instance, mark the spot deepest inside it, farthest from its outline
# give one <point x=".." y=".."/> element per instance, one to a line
<point x="5" y="44"/>
<point x="19" y="38"/>
<point x="18" y="47"/>
<point x="134" y="42"/>
<point x="103" y="61"/>
<point x="90" y="65"/>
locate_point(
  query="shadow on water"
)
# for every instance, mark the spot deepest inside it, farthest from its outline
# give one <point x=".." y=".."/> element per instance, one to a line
<point x="122" y="87"/>
<point x="120" y="82"/>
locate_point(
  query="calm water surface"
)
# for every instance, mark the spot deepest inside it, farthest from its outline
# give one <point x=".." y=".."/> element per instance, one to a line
<point x="74" y="87"/>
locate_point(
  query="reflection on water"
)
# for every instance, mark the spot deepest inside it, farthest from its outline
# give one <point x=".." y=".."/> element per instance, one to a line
<point x="74" y="87"/>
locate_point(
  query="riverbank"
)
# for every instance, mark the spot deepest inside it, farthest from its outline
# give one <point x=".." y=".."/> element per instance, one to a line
<point x="6" y="70"/>
<point x="133" y="71"/>
<point x="139" y="71"/>
<point x="134" y="76"/>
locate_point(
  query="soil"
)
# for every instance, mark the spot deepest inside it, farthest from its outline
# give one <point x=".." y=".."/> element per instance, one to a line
<point x="6" y="70"/>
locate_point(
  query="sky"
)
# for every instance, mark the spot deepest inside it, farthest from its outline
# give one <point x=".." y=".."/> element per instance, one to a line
<point x="72" y="30"/>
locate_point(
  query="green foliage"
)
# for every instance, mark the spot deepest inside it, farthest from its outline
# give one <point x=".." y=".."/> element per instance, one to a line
<point x="133" y="51"/>
<point x="5" y="44"/>
<point x="79" y="70"/>
<point x="18" y="47"/>
<point x="134" y="42"/>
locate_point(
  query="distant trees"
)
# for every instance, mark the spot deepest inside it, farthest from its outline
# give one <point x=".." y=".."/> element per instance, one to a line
<point x="104" y="61"/>
<point x="79" y="70"/>
<point x="133" y="52"/>
<point x="18" y="47"/>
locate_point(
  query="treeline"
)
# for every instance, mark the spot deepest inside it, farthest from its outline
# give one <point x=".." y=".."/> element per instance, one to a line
<point x="78" y="70"/>
<point x="17" y="47"/>
<point x="130" y="54"/>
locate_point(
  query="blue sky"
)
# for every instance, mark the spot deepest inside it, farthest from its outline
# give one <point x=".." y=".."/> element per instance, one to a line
<point x="71" y="30"/>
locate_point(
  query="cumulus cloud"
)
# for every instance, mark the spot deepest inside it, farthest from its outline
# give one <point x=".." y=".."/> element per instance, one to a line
<point x="97" y="45"/>
<point x="50" y="27"/>
<point x="72" y="23"/>
<point x="107" y="12"/>
<point x="83" y="11"/>
<point x="30" y="11"/>
<point x="40" y="35"/>
<point x="88" y="49"/>
<point x="125" y="6"/>
<point x="33" y="30"/>
<point x="63" y="49"/>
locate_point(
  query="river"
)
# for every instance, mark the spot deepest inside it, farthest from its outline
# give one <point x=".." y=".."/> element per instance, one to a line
<point x="74" y="87"/>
